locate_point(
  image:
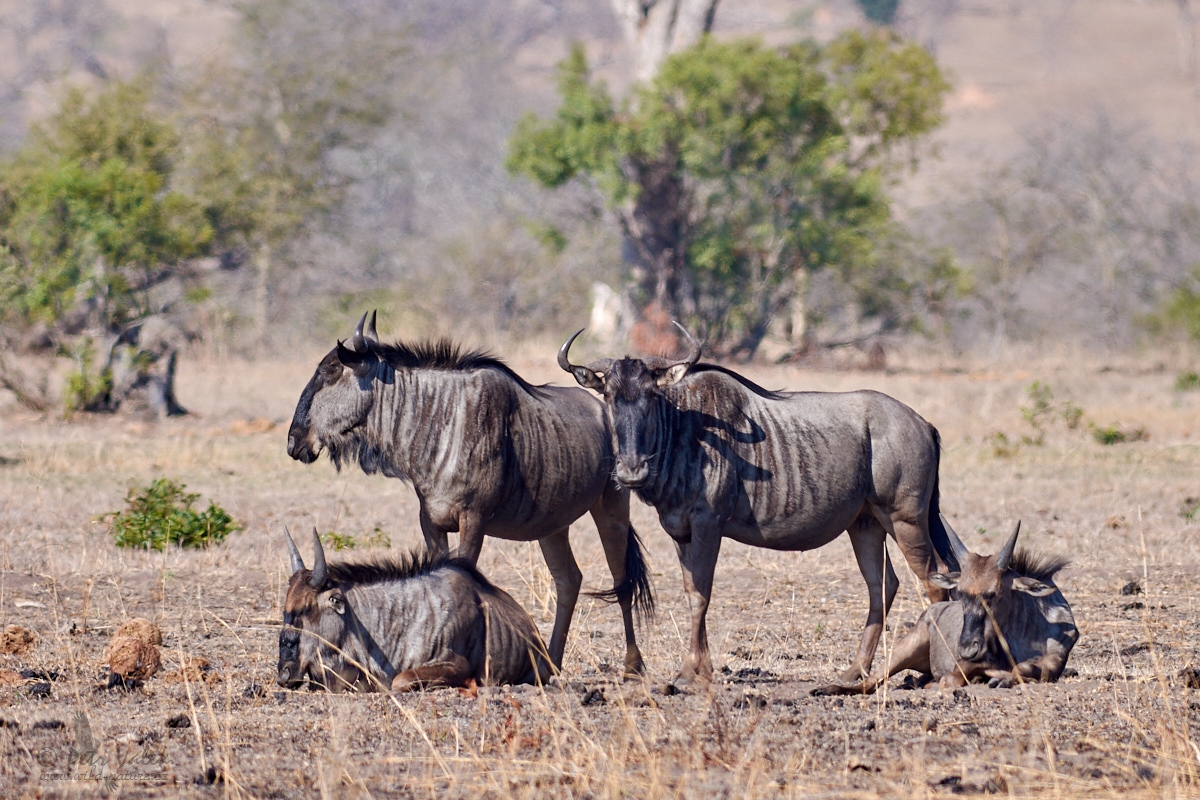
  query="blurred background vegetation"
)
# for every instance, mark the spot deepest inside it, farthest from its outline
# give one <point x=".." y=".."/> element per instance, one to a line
<point x="244" y="177"/>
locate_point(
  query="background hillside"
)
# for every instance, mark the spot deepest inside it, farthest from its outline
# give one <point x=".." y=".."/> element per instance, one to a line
<point x="435" y="224"/>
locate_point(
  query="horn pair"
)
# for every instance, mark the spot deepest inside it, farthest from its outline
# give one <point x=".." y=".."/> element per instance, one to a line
<point x="1003" y="558"/>
<point x="358" y="342"/>
<point x="602" y="366"/>
<point x="319" y="571"/>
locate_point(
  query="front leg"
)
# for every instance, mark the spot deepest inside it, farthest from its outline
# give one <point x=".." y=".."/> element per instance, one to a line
<point x="698" y="560"/>
<point x="454" y="671"/>
<point x="1043" y="669"/>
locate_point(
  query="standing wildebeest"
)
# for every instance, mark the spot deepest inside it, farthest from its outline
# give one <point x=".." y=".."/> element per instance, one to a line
<point x="1009" y="623"/>
<point x="424" y="622"/>
<point x="718" y="456"/>
<point x="487" y="453"/>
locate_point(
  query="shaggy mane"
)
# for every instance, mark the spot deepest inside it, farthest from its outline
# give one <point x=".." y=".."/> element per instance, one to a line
<point x="1040" y="567"/>
<point x="446" y="355"/>
<point x="401" y="568"/>
<point x="744" y="381"/>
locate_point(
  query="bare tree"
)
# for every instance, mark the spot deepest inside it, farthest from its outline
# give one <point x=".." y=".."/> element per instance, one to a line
<point x="656" y="28"/>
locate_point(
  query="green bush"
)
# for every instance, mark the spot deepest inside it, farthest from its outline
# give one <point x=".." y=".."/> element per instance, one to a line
<point x="348" y="541"/>
<point x="1113" y="434"/>
<point x="162" y="514"/>
<point x="1187" y="382"/>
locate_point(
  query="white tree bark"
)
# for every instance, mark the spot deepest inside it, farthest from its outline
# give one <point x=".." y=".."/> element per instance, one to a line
<point x="655" y="29"/>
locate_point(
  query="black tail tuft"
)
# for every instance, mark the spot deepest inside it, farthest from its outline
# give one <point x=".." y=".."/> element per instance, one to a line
<point x="636" y="585"/>
<point x="937" y="531"/>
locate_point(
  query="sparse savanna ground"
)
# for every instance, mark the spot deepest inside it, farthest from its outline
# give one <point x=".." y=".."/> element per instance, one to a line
<point x="1120" y="723"/>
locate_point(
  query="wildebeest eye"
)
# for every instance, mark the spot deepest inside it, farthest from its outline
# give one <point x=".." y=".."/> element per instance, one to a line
<point x="337" y="603"/>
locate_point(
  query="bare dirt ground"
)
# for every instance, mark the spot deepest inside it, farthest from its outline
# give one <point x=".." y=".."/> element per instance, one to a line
<point x="1120" y="723"/>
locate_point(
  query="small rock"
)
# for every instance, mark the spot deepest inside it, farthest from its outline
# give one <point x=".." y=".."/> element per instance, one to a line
<point x="281" y="697"/>
<point x="929" y="724"/>
<point x="16" y="640"/>
<point x="181" y="721"/>
<point x="211" y="776"/>
<point x="1190" y="677"/>
<point x="969" y="729"/>
<point x="39" y="690"/>
<point x="254" y="690"/>
<point x="1133" y="587"/>
<point x="9" y="723"/>
<point x="869" y="726"/>
<point x="594" y="697"/>
<point x="48" y="725"/>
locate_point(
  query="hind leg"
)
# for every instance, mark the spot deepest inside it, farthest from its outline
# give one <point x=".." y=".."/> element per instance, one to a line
<point x="867" y="536"/>
<point x="611" y="515"/>
<point x="556" y="549"/>
<point x="910" y="529"/>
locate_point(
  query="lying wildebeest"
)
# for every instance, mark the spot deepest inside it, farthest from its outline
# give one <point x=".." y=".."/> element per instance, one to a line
<point x="719" y="456"/>
<point x="1008" y="623"/>
<point x="410" y="624"/>
<point x="487" y="453"/>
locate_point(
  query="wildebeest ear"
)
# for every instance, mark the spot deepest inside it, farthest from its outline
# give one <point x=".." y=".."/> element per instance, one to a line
<point x="947" y="582"/>
<point x="361" y="363"/>
<point x="671" y="375"/>
<point x="588" y="379"/>
<point x="1033" y="587"/>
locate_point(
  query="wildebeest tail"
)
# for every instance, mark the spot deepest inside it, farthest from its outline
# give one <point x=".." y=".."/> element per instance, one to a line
<point x="937" y="531"/>
<point x="636" y="585"/>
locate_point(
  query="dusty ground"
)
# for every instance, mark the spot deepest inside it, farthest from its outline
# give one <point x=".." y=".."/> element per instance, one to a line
<point x="1120" y="723"/>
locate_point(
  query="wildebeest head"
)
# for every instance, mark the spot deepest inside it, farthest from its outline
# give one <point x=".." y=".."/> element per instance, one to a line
<point x="986" y="587"/>
<point x="337" y="398"/>
<point x="316" y="626"/>
<point x="632" y="389"/>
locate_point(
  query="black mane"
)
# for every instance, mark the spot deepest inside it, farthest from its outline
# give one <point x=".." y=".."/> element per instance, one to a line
<point x="401" y="568"/>
<point x="446" y="355"/>
<point x="743" y="380"/>
<point x="1040" y="567"/>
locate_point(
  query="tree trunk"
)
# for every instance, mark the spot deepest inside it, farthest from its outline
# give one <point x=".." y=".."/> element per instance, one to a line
<point x="262" y="283"/>
<point x="1187" y="40"/>
<point x="656" y="28"/>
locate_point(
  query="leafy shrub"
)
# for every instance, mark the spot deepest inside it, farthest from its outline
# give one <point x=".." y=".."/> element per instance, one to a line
<point x="1190" y="508"/>
<point x="1113" y="434"/>
<point x="1187" y="382"/>
<point x="348" y="541"/>
<point x="162" y="514"/>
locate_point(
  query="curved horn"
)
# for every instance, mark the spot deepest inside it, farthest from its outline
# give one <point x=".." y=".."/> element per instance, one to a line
<point x="563" y="361"/>
<point x="293" y="552"/>
<point x="357" y="342"/>
<point x="1004" y="557"/>
<point x="960" y="549"/>
<point x="586" y="377"/>
<point x="319" y="572"/>
<point x="694" y="347"/>
<point x="372" y="334"/>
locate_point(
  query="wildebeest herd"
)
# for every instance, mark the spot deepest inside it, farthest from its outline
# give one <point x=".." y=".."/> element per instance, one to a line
<point x="716" y="455"/>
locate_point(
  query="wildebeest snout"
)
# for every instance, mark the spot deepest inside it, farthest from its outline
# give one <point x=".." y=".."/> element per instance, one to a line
<point x="289" y="675"/>
<point x="971" y="646"/>
<point x="633" y="470"/>
<point x="298" y="447"/>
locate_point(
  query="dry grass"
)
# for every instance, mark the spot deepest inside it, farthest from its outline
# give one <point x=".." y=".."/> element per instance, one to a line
<point x="780" y="621"/>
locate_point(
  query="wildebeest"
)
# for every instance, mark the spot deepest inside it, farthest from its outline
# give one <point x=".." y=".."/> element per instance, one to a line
<point x="487" y="453"/>
<point x="1008" y="623"/>
<point x="719" y="456"/>
<point x="408" y="624"/>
